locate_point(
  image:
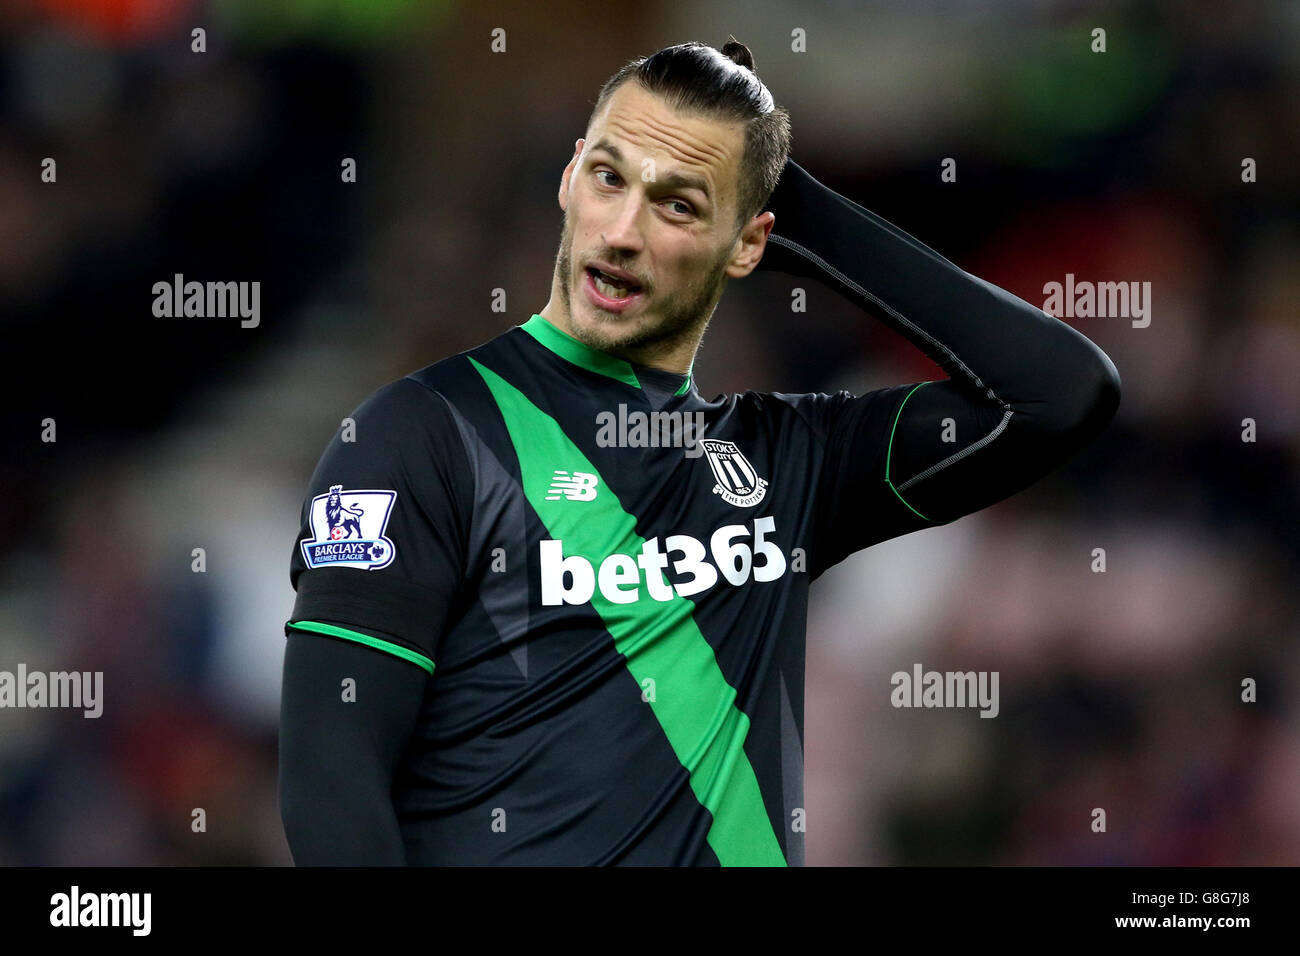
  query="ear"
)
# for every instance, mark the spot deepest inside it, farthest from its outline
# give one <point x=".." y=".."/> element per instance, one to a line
<point x="568" y="171"/>
<point x="750" y="245"/>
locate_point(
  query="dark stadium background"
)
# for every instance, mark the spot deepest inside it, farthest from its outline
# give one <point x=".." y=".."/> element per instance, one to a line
<point x="1118" y="690"/>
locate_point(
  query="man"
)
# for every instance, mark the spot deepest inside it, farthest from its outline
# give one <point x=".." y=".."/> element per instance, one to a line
<point x="557" y="641"/>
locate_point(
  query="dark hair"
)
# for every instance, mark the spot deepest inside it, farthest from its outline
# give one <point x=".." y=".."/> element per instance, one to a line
<point x="696" y="78"/>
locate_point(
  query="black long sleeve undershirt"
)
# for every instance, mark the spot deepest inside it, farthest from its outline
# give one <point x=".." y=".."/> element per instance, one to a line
<point x="337" y="757"/>
<point x="1025" y="390"/>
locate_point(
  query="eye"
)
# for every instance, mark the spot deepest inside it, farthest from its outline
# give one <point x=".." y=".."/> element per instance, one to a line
<point x="684" y="208"/>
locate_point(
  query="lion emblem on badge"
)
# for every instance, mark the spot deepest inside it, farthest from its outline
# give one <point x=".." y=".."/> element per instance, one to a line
<point x="340" y="526"/>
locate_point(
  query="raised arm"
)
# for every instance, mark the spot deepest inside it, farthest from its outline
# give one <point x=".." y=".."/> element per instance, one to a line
<point x="1025" y="390"/>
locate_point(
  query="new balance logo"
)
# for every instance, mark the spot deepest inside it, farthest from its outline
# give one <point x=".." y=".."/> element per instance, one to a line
<point x="578" y="486"/>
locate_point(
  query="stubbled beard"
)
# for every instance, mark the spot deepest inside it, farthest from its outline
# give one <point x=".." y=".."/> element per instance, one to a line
<point x="682" y="314"/>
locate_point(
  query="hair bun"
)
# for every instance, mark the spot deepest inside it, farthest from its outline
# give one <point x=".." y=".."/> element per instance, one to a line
<point x="737" y="52"/>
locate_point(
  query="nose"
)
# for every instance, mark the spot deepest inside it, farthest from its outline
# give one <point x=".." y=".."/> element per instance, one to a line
<point x="625" y="231"/>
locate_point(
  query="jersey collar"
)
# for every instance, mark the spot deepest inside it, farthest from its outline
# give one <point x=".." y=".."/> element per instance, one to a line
<point x="578" y="353"/>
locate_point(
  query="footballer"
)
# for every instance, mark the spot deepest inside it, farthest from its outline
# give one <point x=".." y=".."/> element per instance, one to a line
<point x="518" y="642"/>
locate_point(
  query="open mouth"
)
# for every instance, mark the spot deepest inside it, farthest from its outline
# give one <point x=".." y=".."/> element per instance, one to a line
<point x="612" y="287"/>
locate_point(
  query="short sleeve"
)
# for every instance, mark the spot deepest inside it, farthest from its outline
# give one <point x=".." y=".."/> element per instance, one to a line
<point x="855" y="504"/>
<point x="381" y="551"/>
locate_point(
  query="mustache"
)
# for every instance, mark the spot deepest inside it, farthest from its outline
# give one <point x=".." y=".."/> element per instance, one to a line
<point x="566" y="258"/>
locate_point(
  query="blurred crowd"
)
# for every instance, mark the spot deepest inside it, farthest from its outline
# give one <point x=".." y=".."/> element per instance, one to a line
<point x="1120" y="690"/>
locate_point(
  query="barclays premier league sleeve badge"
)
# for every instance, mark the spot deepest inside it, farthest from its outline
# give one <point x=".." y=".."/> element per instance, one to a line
<point x="348" y="530"/>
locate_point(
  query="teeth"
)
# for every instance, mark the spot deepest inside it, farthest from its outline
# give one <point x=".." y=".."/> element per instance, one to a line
<point x="613" y="291"/>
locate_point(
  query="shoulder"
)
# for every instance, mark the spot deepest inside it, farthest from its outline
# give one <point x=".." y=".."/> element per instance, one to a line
<point x="406" y="419"/>
<point x="813" y="411"/>
<point x="435" y="389"/>
<point x="400" y="411"/>
<point x="457" y="379"/>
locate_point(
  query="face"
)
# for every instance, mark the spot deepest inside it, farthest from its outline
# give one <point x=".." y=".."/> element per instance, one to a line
<point x="651" y="193"/>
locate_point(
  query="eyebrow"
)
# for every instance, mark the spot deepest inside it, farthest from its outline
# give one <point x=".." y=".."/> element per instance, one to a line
<point x="673" y="180"/>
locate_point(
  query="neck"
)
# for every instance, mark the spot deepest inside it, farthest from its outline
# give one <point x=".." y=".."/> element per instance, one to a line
<point x="670" y="355"/>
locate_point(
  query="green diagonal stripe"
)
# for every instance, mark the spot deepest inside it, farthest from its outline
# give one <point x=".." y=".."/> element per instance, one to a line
<point x="659" y="640"/>
<point x="397" y="650"/>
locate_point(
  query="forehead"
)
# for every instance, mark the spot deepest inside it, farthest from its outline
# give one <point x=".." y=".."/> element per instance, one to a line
<point x="642" y="124"/>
